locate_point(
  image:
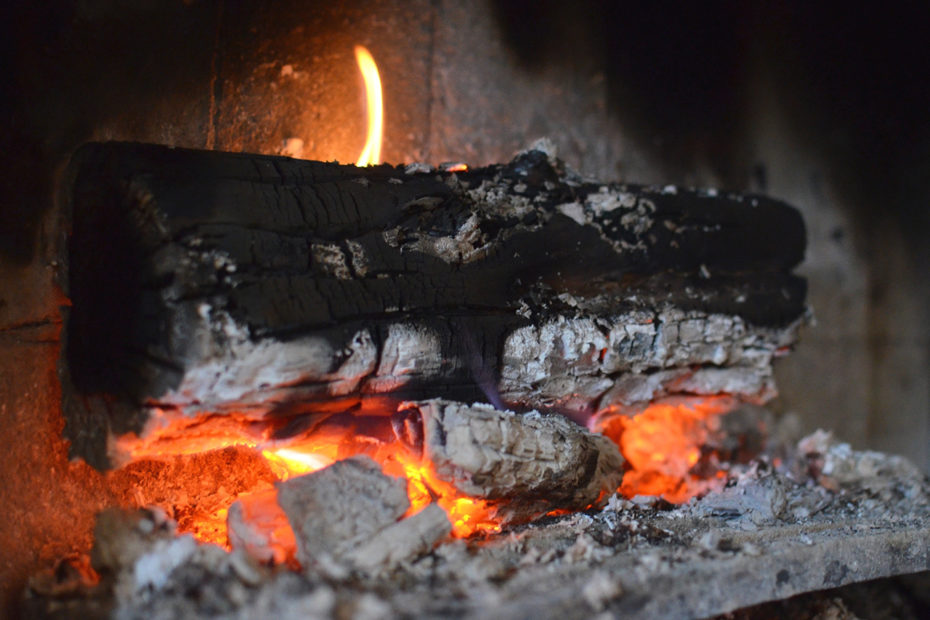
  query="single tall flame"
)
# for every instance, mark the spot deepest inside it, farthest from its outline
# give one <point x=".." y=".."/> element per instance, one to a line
<point x="371" y="154"/>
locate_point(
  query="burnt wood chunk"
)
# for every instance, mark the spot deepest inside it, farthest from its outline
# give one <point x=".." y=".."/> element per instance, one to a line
<point x="339" y="507"/>
<point x="347" y="516"/>
<point x="401" y="541"/>
<point x="214" y="282"/>
<point x="526" y="465"/>
<point x="258" y="526"/>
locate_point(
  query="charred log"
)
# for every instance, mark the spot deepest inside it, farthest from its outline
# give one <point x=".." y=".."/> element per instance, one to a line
<point x="205" y="281"/>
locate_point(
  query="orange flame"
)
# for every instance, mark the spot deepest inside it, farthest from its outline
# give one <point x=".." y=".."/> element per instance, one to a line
<point x="467" y="515"/>
<point x="371" y="154"/>
<point x="662" y="444"/>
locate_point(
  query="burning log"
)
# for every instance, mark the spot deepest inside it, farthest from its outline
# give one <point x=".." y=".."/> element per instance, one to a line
<point x="270" y="287"/>
<point x="347" y="516"/>
<point x="526" y="465"/>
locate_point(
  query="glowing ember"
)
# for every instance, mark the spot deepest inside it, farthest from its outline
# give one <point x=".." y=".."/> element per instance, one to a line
<point x="168" y="435"/>
<point x="468" y="515"/>
<point x="287" y="463"/>
<point x="662" y="444"/>
<point x="179" y="463"/>
<point x="196" y="468"/>
<point x="371" y="154"/>
<point x="195" y="490"/>
<point x="259" y="525"/>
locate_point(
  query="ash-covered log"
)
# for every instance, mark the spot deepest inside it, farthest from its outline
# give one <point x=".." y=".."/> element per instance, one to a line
<point x="526" y="465"/>
<point x="215" y="282"/>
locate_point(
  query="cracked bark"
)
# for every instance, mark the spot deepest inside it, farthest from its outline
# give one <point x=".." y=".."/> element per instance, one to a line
<point x="213" y="282"/>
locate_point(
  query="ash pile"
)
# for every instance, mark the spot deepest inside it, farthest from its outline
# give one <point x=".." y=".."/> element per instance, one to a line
<point x="825" y="516"/>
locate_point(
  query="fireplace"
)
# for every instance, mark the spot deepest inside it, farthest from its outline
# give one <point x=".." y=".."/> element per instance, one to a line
<point x="478" y="86"/>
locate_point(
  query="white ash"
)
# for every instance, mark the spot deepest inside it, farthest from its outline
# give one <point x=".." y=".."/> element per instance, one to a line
<point x="836" y="466"/>
<point x="573" y="210"/>
<point x="243" y="366"/>
<point x="401" y="541"/>
<point x="409" y="351"/>
<point x="467" y="245"/>
<point x="332" y="259"/>
<point x="417" y="168"/>
<point x="495" y="197"/>
<point x="290" y="597"/>
<point x="340" y="507"/>
<point x="359" y="259"/>
<point x="634" y="350"/>
<point x="636" y="219"/>
<point x="151" y="569"/>
<point x="577" y="363"/>
<point x="759" y="497"/>
<point x="142" y="561"/>
<point x="600" y="589"/>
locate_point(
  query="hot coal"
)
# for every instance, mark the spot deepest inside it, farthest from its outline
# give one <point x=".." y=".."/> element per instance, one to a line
<point x="348" y="516"/>
<point x="525" y="464"/>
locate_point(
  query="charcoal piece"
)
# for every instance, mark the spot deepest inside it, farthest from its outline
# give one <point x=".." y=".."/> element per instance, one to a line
<point x="339" y="508"/>
<point x="760" y="497"/>
<point x="526" y="464"/>
<point x="401" y="541"/>
<point x="259" y="527"/>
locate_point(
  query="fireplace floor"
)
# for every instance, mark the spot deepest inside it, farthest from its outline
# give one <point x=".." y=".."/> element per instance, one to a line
<point x="825" y="517"/>
<point x="905" y="597"/>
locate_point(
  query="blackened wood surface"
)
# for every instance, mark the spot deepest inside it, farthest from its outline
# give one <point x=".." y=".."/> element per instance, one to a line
<point x="204" y="280"/>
